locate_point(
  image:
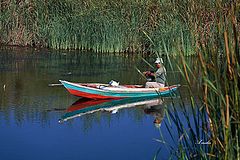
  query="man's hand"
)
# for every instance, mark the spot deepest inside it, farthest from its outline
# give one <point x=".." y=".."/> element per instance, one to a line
<point x="147" y="73"/>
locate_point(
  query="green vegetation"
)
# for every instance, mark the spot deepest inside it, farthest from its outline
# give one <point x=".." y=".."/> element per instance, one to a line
<point x="102" y="26"/>
<point x="217" y="71"/>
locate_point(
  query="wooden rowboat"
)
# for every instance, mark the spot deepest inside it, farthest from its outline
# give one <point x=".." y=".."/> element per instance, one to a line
<point x="106" y="91"/>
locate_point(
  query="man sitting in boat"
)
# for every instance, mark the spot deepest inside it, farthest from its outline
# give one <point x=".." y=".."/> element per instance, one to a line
<point x="159" y="76"/>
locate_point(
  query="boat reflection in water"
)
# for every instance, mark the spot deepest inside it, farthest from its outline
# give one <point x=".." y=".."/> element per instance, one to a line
<point x="85" y="106"/>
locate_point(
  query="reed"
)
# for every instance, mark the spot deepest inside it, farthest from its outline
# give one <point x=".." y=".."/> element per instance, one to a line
<point x="102" y="26"/>
<point x="217" y="65"/>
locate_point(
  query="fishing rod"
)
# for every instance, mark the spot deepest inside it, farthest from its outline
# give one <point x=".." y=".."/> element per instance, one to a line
<point x="140" y="72"/>
<point x="147" y="63"/>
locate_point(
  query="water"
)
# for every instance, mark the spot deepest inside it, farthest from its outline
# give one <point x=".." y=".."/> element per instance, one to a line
<point x="30" y="110"/>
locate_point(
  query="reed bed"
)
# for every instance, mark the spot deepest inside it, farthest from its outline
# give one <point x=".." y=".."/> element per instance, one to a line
<point x="217" y="72"/>
<point x="102" y="26"/>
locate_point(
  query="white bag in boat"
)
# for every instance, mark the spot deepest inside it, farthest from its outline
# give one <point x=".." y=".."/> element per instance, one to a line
<point x="113" y="83"/>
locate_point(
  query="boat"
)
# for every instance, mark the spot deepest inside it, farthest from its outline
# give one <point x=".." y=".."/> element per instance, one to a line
<point x="86" y="106"/>
<point x="106" y="91"/>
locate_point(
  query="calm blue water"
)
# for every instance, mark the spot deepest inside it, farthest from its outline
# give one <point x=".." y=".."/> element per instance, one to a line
<point x="30" y="110"/>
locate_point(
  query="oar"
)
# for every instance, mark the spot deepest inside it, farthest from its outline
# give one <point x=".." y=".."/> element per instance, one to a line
<point x="54" y="84"/>
<point x="140" y="72"/>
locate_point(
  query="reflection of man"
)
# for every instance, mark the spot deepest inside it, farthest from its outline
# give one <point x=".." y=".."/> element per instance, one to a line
<point x="157" y="111"/>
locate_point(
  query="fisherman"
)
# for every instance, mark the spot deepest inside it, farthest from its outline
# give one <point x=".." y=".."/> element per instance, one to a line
<point x="159" y="79"/>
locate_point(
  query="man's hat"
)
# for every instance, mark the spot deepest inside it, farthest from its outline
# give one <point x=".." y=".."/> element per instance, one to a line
<point x="159" y="60"/>
<point x="157" y="122"/>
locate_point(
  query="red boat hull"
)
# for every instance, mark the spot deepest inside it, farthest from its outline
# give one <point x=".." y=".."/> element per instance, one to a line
<point x="89" y="95"/>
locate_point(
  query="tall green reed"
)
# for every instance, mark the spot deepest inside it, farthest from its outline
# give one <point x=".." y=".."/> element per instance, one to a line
<point x="102" y="26"/>
<point x="216" y="44"/>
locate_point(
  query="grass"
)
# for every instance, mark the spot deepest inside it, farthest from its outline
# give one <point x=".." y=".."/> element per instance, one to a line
<point x="102" y="26"/>
<point x="217" y="65"/>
